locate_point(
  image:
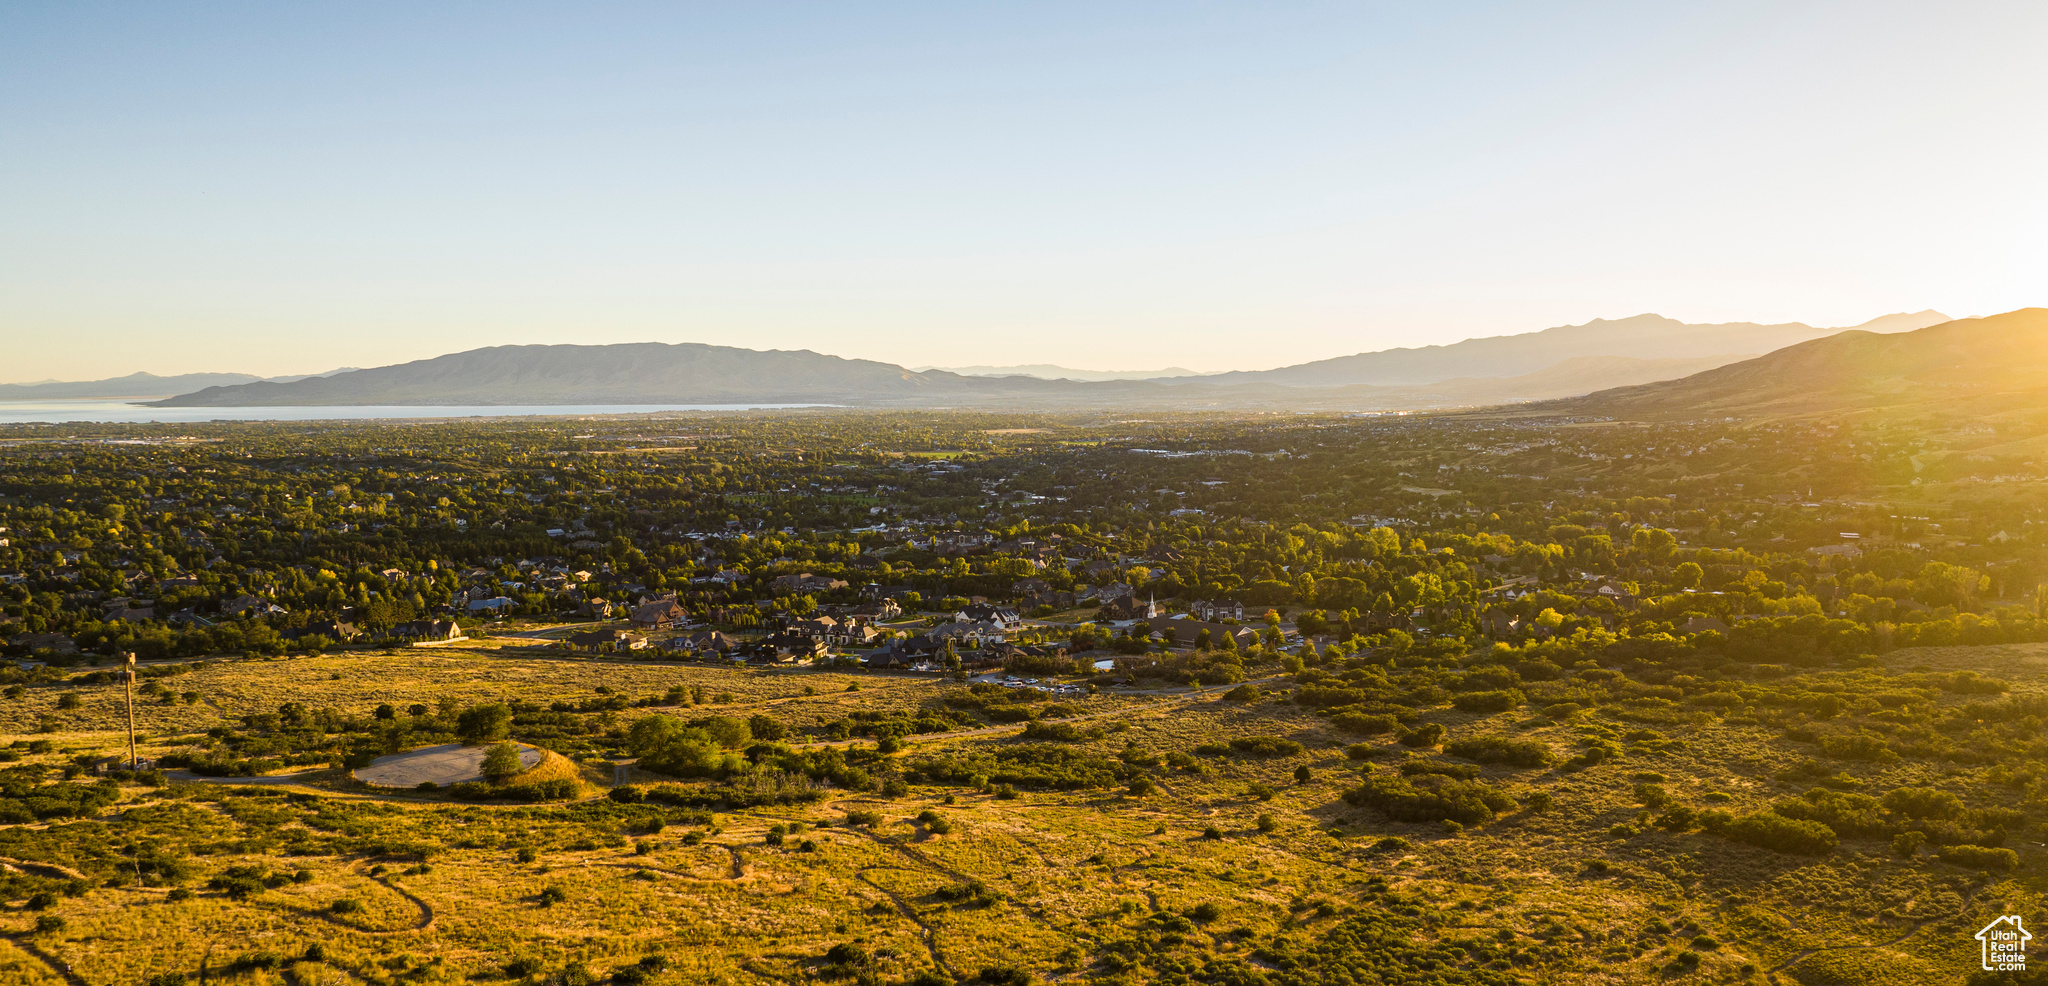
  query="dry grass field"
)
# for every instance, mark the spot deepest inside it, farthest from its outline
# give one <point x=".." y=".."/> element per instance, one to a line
<point x="1093" y="884"/>
<point x="357" y="682"/>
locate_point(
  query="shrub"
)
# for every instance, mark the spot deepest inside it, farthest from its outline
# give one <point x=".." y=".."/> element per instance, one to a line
<point x="551" y="896"/>
<point x="1058" y="732"/>
<point x="1003" y="975"/>
<point x="1426" y="735"/>
<point x="1499" y="749"/>
<point x="1364" y="723"/>
<point x="1265" y="746"/>
<point x="1431" y="798"/>
<point x="501" y="764"/>
<point x="1361" y="751"/>
<point x="1769" y="830"/>
<point x="1906" y="845"/>
<point x="480" y="724"/>
<point x="1979" y="857"/>
<point x="1856" y="746"/>
<point x="1923" y="802"/>
<point x="1243" y="693"/>
<point x="1488" y="701"/>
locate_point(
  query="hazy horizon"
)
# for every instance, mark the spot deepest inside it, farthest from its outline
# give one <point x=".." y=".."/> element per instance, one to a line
<point x="965" y="368"/>
<point x="285" y="190"/>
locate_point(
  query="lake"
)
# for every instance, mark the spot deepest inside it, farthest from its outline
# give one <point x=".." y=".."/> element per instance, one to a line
<point x="125" y="412"/>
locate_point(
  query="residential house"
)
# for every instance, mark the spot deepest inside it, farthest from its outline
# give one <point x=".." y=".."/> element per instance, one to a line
<point x="427" y="630"/>
<point x="252" y="605"/>
<point x="660" y="614"/>
<point x="708" y="642"/>
<point x="782" y="648"/>
<point x="129" y="609"/>
<point x="1127" y="607"/>
<point x="883" y="609"/>
<point x="1003" y="615"/>
<point x="1187" y="632"/>
<point x="975" y="632"/>
<point x="607" y="640"/>
<point x="805" y="583"/>
<point x="905" y="652"/>
<point x="961" y="542"/>
<point x="335" y="630"/>
<point x="1216" y="610"/>
<point x="1499" y="623"/>
<point x="56" y="643"/>
<point x="1056" y="600"/>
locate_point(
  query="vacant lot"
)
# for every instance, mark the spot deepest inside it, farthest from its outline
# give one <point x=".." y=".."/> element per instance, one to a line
<point x="1238" y="858"/>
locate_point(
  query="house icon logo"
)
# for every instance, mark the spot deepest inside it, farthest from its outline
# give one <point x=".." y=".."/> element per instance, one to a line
<point x="2005" y="944"/>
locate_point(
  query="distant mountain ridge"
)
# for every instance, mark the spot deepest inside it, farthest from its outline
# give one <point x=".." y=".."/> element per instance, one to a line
<point x="1640" y="336"/>
<point x="1561" y="362"/>
<point x="134" y="385"/>
<point x="1050" y="371"/>
<point x="626" y="373"/>
<point x="1959" y="369"/>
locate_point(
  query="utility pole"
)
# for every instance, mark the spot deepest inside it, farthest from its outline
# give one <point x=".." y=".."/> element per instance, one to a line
<point x="130" y="681"/>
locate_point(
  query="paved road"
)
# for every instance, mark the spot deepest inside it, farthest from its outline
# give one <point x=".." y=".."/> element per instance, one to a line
<point x="450" y="763"/>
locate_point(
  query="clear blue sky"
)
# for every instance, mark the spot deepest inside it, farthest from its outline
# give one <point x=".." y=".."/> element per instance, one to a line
<point x="278" y="188"/>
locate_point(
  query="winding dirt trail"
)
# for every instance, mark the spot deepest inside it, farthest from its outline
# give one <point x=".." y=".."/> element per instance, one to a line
<point x="426" y="919"/>
<point x="28" y="946"/>
<point x="925" y="930"/>
<point x="1771" y="974"/>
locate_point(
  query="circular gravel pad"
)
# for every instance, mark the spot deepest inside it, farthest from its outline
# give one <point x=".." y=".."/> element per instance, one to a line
<point x="452" y="763"/>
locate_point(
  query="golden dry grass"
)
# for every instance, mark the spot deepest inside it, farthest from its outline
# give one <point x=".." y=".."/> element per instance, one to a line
<point x="358" y="682"/>
<point x="1069" y="870"/>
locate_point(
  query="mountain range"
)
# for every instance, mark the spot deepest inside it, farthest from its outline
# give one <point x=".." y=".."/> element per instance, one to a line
<point x="1558" y="362"/>
<point x="1640" y="336"/>
<point x="1967" y="369"/>
<point x="1049" y="371"/>
<point x="134" y="385"/>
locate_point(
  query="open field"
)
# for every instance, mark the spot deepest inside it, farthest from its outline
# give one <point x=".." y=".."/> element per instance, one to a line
<point x="1068" y="884"/>
<point x="357" y="682"/>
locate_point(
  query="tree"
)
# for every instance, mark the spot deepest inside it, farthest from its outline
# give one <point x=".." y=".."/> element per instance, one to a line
<point x="1653" y="543"/>
<point x="1943" y="584"/>
<point x="480" y="724"/>
<point x="501" y="764"/>
<point x="1688" y="575"/>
